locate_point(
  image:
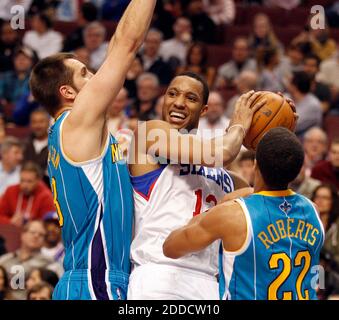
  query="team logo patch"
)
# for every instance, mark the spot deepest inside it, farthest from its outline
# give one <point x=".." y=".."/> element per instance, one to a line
<point x="285" y="207"/>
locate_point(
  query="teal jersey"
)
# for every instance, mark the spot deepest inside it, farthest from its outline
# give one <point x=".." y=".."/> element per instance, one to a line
<point x="280" y="257"/>
<point x="94" y="202"/>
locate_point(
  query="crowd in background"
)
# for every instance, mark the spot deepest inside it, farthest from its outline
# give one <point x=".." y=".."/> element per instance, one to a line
<point x="185" y="36"/>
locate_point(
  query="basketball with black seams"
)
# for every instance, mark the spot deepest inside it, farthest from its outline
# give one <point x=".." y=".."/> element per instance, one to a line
<point x="276" y="112"/>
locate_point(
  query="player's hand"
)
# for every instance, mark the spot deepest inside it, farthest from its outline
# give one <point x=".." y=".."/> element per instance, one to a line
<point x="292" y="104"/>
<point x="245" y="108"/>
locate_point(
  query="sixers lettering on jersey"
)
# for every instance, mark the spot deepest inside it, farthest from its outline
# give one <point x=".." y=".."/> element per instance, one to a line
<point x="218" y="175"/>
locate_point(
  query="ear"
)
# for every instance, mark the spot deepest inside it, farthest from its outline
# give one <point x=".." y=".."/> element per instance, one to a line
<point x="67" y="92"/>
<point x="204" y="110"/>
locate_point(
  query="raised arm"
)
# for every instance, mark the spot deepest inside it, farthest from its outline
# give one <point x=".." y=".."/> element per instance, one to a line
<point x="225" y="221"/>
<point x="87" y="119"/>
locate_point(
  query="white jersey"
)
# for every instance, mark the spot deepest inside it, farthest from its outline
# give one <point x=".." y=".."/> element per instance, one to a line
<point x="167" y="199"/>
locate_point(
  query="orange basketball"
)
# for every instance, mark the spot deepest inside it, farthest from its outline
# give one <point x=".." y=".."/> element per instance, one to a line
<point x="276" y="112"/>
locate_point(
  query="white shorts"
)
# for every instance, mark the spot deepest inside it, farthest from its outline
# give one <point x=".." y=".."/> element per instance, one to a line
<point x="159" y="282"/>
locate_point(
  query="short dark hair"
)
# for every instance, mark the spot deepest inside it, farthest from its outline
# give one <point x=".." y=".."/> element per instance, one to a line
<point x="89" y="11"/>
<point x="302" y="81"/>
<point x="313" y="57"/>
<point x="47" y="77"/>
<point x="47" y="276"/>
<point x="206" y="90"/>
<point x="32" y="167"/>
<point x="45" y="19"/>
<point x="280" y="157"/>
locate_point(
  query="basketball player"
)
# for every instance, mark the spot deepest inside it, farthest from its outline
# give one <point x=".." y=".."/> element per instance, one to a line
<point x="90" y="182"/>
<point x="169" y="195"/>
<point x="270" y="240"/>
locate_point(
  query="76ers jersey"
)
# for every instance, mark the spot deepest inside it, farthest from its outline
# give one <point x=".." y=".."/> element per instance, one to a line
<point x="94" y="202"/>
<point x="167" y="199"/>
<point x="281" y="255"/>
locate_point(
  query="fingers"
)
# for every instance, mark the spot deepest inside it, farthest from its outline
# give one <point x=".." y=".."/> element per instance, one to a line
<point x="252" y="98"/>
<point x="258" y="105"/>
<point x="246" y="96"/>
<point x="291" y="103"/>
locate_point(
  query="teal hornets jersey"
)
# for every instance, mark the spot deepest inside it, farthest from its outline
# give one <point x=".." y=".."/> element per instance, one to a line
<point x="94" y="202"/>
<point x="280" y="257"/>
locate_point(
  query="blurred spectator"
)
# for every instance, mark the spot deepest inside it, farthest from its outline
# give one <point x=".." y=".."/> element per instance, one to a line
<point x="152" y="61"/>
<point x="67" y="10"/>
<point x="246" y="166"/>
<point x="28" y="255"/>
<point x="307" y="104"/>
<point x="133" y="73"/>
<point x="2" y="130"/>
<point x="43" y="6"/>
<point x="214" y="123"/>
<point x="220" y="11"/>
<point x="320" y="90"/>
<point x="240" y="61"/>
<point x="116" y="114"/>
<point x="328" y="74"/>
<point x="14" y="84"/>
<point x="11" y="157"/>
<point x="6" y="5"/>
<point x="88" y="13"/>
<point x="304" y="184"/>
<point x="9" y="40"/>
<point x="94" y="39"/>
<point x="113" y="10"/>
<point x="28" y="200"/>
<point x="23" y="109"/>
<point x="263" y="35"/>
<point x="294" y="59"/>
<point x="272" y="76"/>
<point x="41" y="291"/>
<point x="164" y="17"/>
<point x="4" y="285"/>
<point x="246" y="81"/>
<point x="326" y="199"/>
<point x="315" y="145"/>
<point x="36" y="149"/>
<point x="286" y="4"/>
<point x="204" y="29"/>
<point x="175" y="50"/>
<point x="53" y="247"/>
<point x="196" y="62"/>
<point x="332" y="14"/>
<point x="328" y="171"/>
<point x="42" y="38"/>
<point x="2" y="246"/>
<point x="147" y="92"/>
<point x="39" y="275"/>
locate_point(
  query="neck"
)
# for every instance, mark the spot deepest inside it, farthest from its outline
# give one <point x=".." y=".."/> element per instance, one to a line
<point x="25" y="253"/>
<point x="61" y="111"/>
<point x="298" y="96"/>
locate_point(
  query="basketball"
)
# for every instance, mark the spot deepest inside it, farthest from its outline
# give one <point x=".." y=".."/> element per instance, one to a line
<point x="276" y="112"/>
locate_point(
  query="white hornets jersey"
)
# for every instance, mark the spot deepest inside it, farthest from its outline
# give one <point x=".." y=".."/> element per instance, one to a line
<point x="168" y="198"/>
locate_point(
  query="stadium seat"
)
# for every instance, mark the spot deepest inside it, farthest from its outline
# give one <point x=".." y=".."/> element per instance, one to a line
<point x="18" y="132"/>
<point x="331" y="125"/>
<point x="11" y="235"/>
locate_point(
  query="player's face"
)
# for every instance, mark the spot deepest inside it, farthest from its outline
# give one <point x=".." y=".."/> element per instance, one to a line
<point x="183" y="103"/>
<point x="81" y="74"/>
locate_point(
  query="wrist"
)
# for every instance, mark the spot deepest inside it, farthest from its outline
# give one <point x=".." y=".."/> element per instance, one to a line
<point x="238" y="127"/>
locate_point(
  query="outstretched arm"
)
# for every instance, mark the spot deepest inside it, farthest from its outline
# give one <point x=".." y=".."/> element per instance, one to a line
<point x="225" y="221"/>
<point x="84" y="128"/>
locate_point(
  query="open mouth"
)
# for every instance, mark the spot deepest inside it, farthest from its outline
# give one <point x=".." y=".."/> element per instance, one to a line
<point x="177" y="116"/>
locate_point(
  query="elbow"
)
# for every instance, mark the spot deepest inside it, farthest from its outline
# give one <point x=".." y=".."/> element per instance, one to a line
<point x="129" y="41"/>
<point x="168" y="251"/>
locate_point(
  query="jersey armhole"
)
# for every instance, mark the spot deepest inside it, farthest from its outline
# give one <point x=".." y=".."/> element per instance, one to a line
<point x="249" y="232"/>
<point x="82" y="163"/>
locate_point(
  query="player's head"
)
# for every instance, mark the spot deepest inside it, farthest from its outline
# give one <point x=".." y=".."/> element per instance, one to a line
<point x="280" y="157"/>
<point x="185" y="101"/>
<point x="56" y="81"/>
